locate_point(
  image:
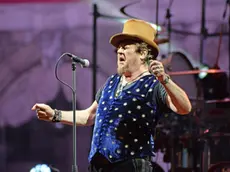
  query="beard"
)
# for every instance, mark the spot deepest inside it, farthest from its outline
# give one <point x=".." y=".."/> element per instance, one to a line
<point x="121" y="69"/>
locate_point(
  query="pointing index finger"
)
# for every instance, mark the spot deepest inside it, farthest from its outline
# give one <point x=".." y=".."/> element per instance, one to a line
<point x="38" y="106"/>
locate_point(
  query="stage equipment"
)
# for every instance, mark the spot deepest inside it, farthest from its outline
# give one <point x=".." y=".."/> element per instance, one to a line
<point x="83" y="63"/>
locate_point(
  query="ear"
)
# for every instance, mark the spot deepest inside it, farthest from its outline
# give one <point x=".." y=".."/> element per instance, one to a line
<point x="143" y="55"/>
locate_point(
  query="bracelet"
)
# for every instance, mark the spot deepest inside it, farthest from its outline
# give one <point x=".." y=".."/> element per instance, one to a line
<point x="166" y="80"/>
<point x="57" y="116"/>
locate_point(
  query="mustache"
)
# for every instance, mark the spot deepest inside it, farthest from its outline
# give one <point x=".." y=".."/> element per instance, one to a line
<point x="120" y="54"/>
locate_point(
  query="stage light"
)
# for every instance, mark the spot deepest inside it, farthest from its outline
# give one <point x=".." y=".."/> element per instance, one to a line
<point x="202" y="75"/>
<point x="41" y="168"/>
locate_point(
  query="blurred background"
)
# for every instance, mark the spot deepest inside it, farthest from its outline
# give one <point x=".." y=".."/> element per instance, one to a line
<point x="193" y="35"/>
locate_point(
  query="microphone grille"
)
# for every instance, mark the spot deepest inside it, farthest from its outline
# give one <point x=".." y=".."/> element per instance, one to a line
<point x="86" y="63"/>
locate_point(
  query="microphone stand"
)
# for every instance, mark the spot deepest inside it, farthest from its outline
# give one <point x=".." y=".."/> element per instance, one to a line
<point x="168" y="17"/>
<point x="228" y="2"/>
<point x="224" y="15"/>
<point x="172" y="136"/>
<point x="157" y="16"/>
<point x="75" y="60"/>
<point x="74" y="167"/>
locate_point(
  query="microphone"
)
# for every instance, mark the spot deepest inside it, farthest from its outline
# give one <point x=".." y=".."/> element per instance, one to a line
<point x="82" y="62"/>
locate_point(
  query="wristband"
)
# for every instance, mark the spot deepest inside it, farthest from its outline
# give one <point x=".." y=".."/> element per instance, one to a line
<point x="166" y="80"/>
<point x="57" y="116"/>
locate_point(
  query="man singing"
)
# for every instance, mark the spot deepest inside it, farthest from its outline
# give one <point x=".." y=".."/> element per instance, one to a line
<point x="128" y="105"/>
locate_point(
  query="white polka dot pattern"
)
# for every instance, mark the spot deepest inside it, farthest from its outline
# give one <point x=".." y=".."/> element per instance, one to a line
<point x="139" y="107"/>
<point x="119" y="117"/>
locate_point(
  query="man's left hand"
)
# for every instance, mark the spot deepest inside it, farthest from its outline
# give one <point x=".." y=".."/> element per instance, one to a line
<point x="157" y="69"/>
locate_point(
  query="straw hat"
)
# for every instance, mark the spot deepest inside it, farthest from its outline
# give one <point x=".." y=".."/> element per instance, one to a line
<point x="135" y="29"/>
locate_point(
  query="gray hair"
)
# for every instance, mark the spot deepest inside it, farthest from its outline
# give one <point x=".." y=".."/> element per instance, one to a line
<point x="144" y="47"/>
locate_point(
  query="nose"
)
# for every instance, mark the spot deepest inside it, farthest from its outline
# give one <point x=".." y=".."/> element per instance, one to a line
<point x="120" y="50"/>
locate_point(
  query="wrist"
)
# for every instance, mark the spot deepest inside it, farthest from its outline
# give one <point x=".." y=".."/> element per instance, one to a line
<point x="164" y="79"/>
<point x="57" y="116"/>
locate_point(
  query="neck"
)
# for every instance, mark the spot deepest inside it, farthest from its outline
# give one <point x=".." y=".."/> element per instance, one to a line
<point x="130" y="76"/>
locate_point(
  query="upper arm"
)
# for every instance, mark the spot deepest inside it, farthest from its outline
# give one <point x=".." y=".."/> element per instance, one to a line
<point x="160" y="97"/>
<point x="92" y="113"/>
<point x="165" y="100"/>
<point x="170" y="104"/>
<point x="93" y="108"/>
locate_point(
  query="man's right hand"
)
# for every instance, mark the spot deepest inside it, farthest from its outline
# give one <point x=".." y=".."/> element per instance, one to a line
<point x="44" y="112"/>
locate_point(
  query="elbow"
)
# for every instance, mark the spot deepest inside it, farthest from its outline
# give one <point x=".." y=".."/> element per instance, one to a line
<point x="89" y="123"/>
<point x="185" y="110"/>
<point x="90" y="120"/>
<point x="189" y="108"/>
<point x="85" y="121"/>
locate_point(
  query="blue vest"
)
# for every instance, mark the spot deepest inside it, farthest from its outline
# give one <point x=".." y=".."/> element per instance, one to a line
<point x="124" y="125"/>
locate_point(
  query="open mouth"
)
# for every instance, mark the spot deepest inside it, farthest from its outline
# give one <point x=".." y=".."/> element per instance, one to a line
<point x="121" y="59"/>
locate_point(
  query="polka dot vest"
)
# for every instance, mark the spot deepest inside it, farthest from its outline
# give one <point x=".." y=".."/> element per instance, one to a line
<point x="125" y="123"/>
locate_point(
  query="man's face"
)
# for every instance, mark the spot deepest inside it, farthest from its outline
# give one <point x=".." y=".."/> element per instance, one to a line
<point x="127" y="57"/>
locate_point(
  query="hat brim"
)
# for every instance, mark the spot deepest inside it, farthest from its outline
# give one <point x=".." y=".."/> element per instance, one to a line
<point x="116" y="39"/>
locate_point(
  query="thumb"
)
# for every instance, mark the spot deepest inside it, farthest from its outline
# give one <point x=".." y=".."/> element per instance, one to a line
<point x="34" y="107"/>
<point x="38" y="106"/>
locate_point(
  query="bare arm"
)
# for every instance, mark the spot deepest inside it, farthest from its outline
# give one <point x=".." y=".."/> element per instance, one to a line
<point x="177" y="100"/>
<point x="83" y="117"/>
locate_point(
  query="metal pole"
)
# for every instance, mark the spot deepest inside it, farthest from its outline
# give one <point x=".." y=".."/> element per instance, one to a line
<point x="202" y="30"/>
<point x="205" y="157"/>
<point x="94" y="55"/>
<point x="157" y="16"/>
<point x="203" y="34"/>
<point x="168" y="16"/>
<point x="74" y="167"/>
<point x="3" y="152"/>
<point x="228" y="6"/>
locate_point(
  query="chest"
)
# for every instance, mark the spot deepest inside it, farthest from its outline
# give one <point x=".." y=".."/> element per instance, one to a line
<point x="133" y="99"/>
